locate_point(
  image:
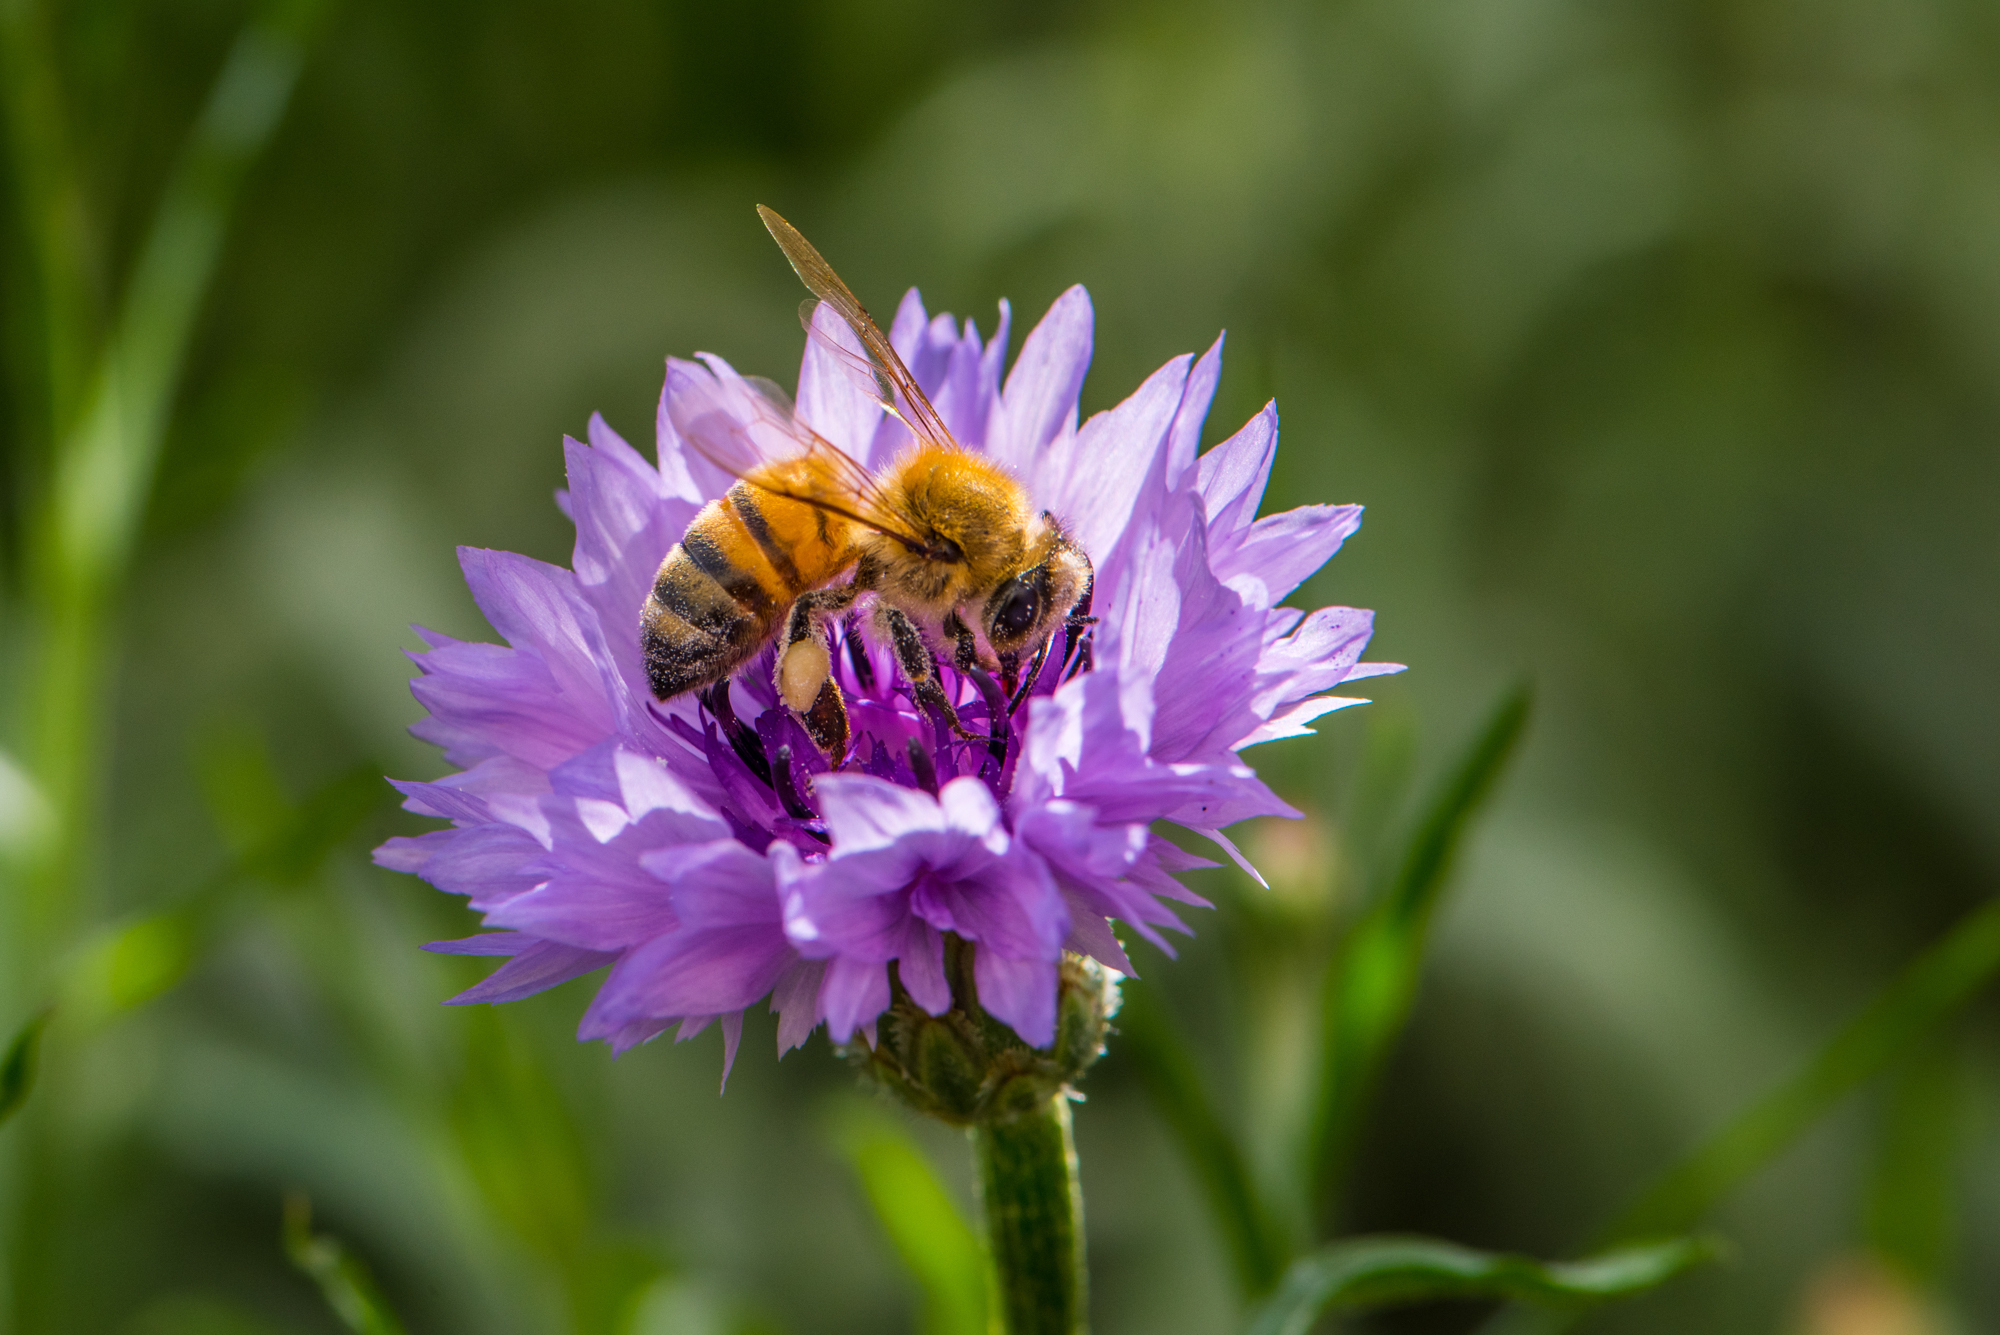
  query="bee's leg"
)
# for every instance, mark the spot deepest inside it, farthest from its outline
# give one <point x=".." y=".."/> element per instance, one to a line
<point x="913" y="656"/>
<point x="1077" y="630"/>
<point x="965" y="656"/>
<point x="1010" y="672"/>
<point x="1018" y="694"/>
<point x="805" y="670"/>
<point x="965" y="649"/>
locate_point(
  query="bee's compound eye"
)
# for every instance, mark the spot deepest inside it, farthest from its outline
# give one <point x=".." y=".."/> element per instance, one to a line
<point x="1019" y="604"/>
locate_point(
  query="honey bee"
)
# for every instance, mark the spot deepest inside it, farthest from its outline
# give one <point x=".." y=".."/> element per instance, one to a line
<point x="943" y="541"/>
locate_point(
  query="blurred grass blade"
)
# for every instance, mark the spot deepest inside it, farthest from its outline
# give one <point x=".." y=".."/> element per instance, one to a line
<point x="240" y="784"/>
<point x="932" y="1237"/>
<point x="1374" y="976"/>
<point x="1365" y="1272"/>
<point x="105" y="471"/>
<point x="17" y="1068"/>
<point x="104" y="464"/>
<point x="1944" y="978"/>
<point x="1910" y="1214"/>
<point x="48" y="191"/>
<point x="521" y="1143"/>
<point x="126" y="964"/>
<point x="1381" y="782"/>
<point x="1257" y="1248"/>
<point x="293" y="852"/>
<point x="343" y="1281"/>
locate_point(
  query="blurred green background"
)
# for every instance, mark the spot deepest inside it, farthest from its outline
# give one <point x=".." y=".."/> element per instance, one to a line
<point x="1662" y="340"/>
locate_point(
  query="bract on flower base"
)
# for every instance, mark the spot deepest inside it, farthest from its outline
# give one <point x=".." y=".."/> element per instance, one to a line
<point x="966" y="1068"/>
<point x="707" y="854"/>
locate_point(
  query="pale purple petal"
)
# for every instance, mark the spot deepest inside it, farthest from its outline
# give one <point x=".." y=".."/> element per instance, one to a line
<point x="1039" y="402"/>
<point x="1281" y="550"/>
<point x="795" y="999"/>
<point x="486" y="943"/>
<point x="537" y="610"/>
<point x="485" y="700"/>
<point x="490" y="864"/>
<point x="832" y="398"/>
<point x="961" y="399"/>
<point x="1184" y="437"/>
<point x="1231" y="477"/>
<point x="854" y="991"/>
<point x="458" y="805"/>
<point x="1108" y="478"/>
<point x="920" y="967"/>
<point x="1090" y="934"/>
<point x="1019" y="992"/>
<point x="535" y="967"/>
<point x="863" y="812"/>
<point x="696" y="973"/>
<point x="732" y="1039"/>
<point x="590" y="913"/>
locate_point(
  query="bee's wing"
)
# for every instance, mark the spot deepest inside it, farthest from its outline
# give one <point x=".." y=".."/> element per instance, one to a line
<point x="883" y="368"/>
<point x="871" y="378"/>
<point x="763" y="446"/>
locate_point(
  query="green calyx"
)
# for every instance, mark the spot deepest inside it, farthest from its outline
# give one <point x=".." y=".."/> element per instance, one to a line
<point x="969" y="1069"/>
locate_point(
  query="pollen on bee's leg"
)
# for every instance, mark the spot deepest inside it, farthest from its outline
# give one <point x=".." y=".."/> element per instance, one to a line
<point x="803" y="669"/>
<point x="826" y="721"/>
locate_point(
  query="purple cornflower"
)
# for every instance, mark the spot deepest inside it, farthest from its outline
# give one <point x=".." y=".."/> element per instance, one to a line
<point x="708" y="853"/>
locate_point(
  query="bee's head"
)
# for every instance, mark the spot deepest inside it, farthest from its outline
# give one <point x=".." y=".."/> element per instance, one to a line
<point x="1025" y="607"/>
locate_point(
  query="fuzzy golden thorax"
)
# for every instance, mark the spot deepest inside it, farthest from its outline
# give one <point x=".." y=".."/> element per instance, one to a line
<point x="963" y="504"/>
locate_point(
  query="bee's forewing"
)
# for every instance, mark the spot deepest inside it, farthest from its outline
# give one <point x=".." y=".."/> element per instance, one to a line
<point x="750" y="435"/>
<point x="892" y="378"/>
<point x="737" y="432"/>
<point x="851" y="361"/>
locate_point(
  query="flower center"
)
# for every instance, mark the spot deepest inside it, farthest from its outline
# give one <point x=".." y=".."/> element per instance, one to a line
<point x="766" y="761"/>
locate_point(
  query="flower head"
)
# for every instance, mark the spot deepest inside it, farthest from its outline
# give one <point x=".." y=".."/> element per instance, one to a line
<point x="708" y="852"/>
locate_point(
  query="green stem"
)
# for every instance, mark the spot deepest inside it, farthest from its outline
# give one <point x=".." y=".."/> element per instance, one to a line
<point x="1034" y="1220"/>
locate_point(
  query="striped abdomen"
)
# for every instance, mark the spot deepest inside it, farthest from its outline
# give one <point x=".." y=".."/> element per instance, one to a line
<point x="725" y="586"/>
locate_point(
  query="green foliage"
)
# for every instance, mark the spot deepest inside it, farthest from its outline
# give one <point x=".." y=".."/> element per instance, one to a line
<point x="1913" y="1185"/>
<point x="18" y="1066"/>
<point x="104" y="472"/>
<point x="343" y="1281"/>
<point x="1147" y="1037"/>
<point x="1370" y="1271"/>
<point x="937" y="1246"/>
<point x="1910" y="1204"/>
<point x="106" y="451"/>
<point x="191" y="1315"/>
<point x="1369" y="988"/>
<point x="125" y="965"/>
<point x="520" y="1142"/>
<point x="1371" y="983"/>
<point x="1895" y="1021"/>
